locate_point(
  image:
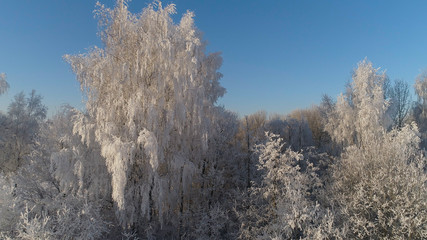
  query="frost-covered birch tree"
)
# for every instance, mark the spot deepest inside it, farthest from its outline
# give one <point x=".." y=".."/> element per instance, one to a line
<point x="151" y="91"/>
<point x="360" y="115"/>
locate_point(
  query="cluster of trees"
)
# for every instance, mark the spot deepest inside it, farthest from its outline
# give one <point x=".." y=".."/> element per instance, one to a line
<point x="154" y="157"/>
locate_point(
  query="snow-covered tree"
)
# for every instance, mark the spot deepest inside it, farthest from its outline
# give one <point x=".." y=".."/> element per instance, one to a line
<point x="326" y="110"/>
<point x="3" y="83"/>
<point x="150" y="93"/>
<point x="421" y="90"/>
<point x="225" y="171"/>
<point x="379" y="181"/>
<point x="42" y="204"/>
<point x="420" y="108"/>
<point x="9" y="217"/>
<point x="360" y="115"/>
<point x="20" y="129"/>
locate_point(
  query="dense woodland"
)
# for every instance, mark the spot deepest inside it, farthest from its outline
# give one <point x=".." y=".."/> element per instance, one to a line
<point x="153" y="156"/>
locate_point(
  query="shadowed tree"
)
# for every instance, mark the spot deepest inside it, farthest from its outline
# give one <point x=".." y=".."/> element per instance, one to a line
<point x="400" y="102"/>
<point x="20" y="129"/>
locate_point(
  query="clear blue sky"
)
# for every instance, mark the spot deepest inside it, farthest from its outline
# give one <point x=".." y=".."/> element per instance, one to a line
<point x="278" y="55"/>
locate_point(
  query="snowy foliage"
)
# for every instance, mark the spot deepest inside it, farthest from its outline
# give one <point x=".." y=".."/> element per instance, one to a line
<point x="73" y="219"/>
<point x="77" y="163"/>
<point x="34" y="227"/>
<point x="212" y="225"/>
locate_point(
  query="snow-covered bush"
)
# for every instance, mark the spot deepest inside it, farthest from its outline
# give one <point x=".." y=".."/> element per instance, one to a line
<point x="34" y="227"/>
<point x="381" y="189"/>
<point x="46" y="213"/>
<point x="9" y="217"/>
<point x="213" y="224"/>
<point x="379" y="181"/>
<point x="63" y="218"/>
<point x="282" y="205"/>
